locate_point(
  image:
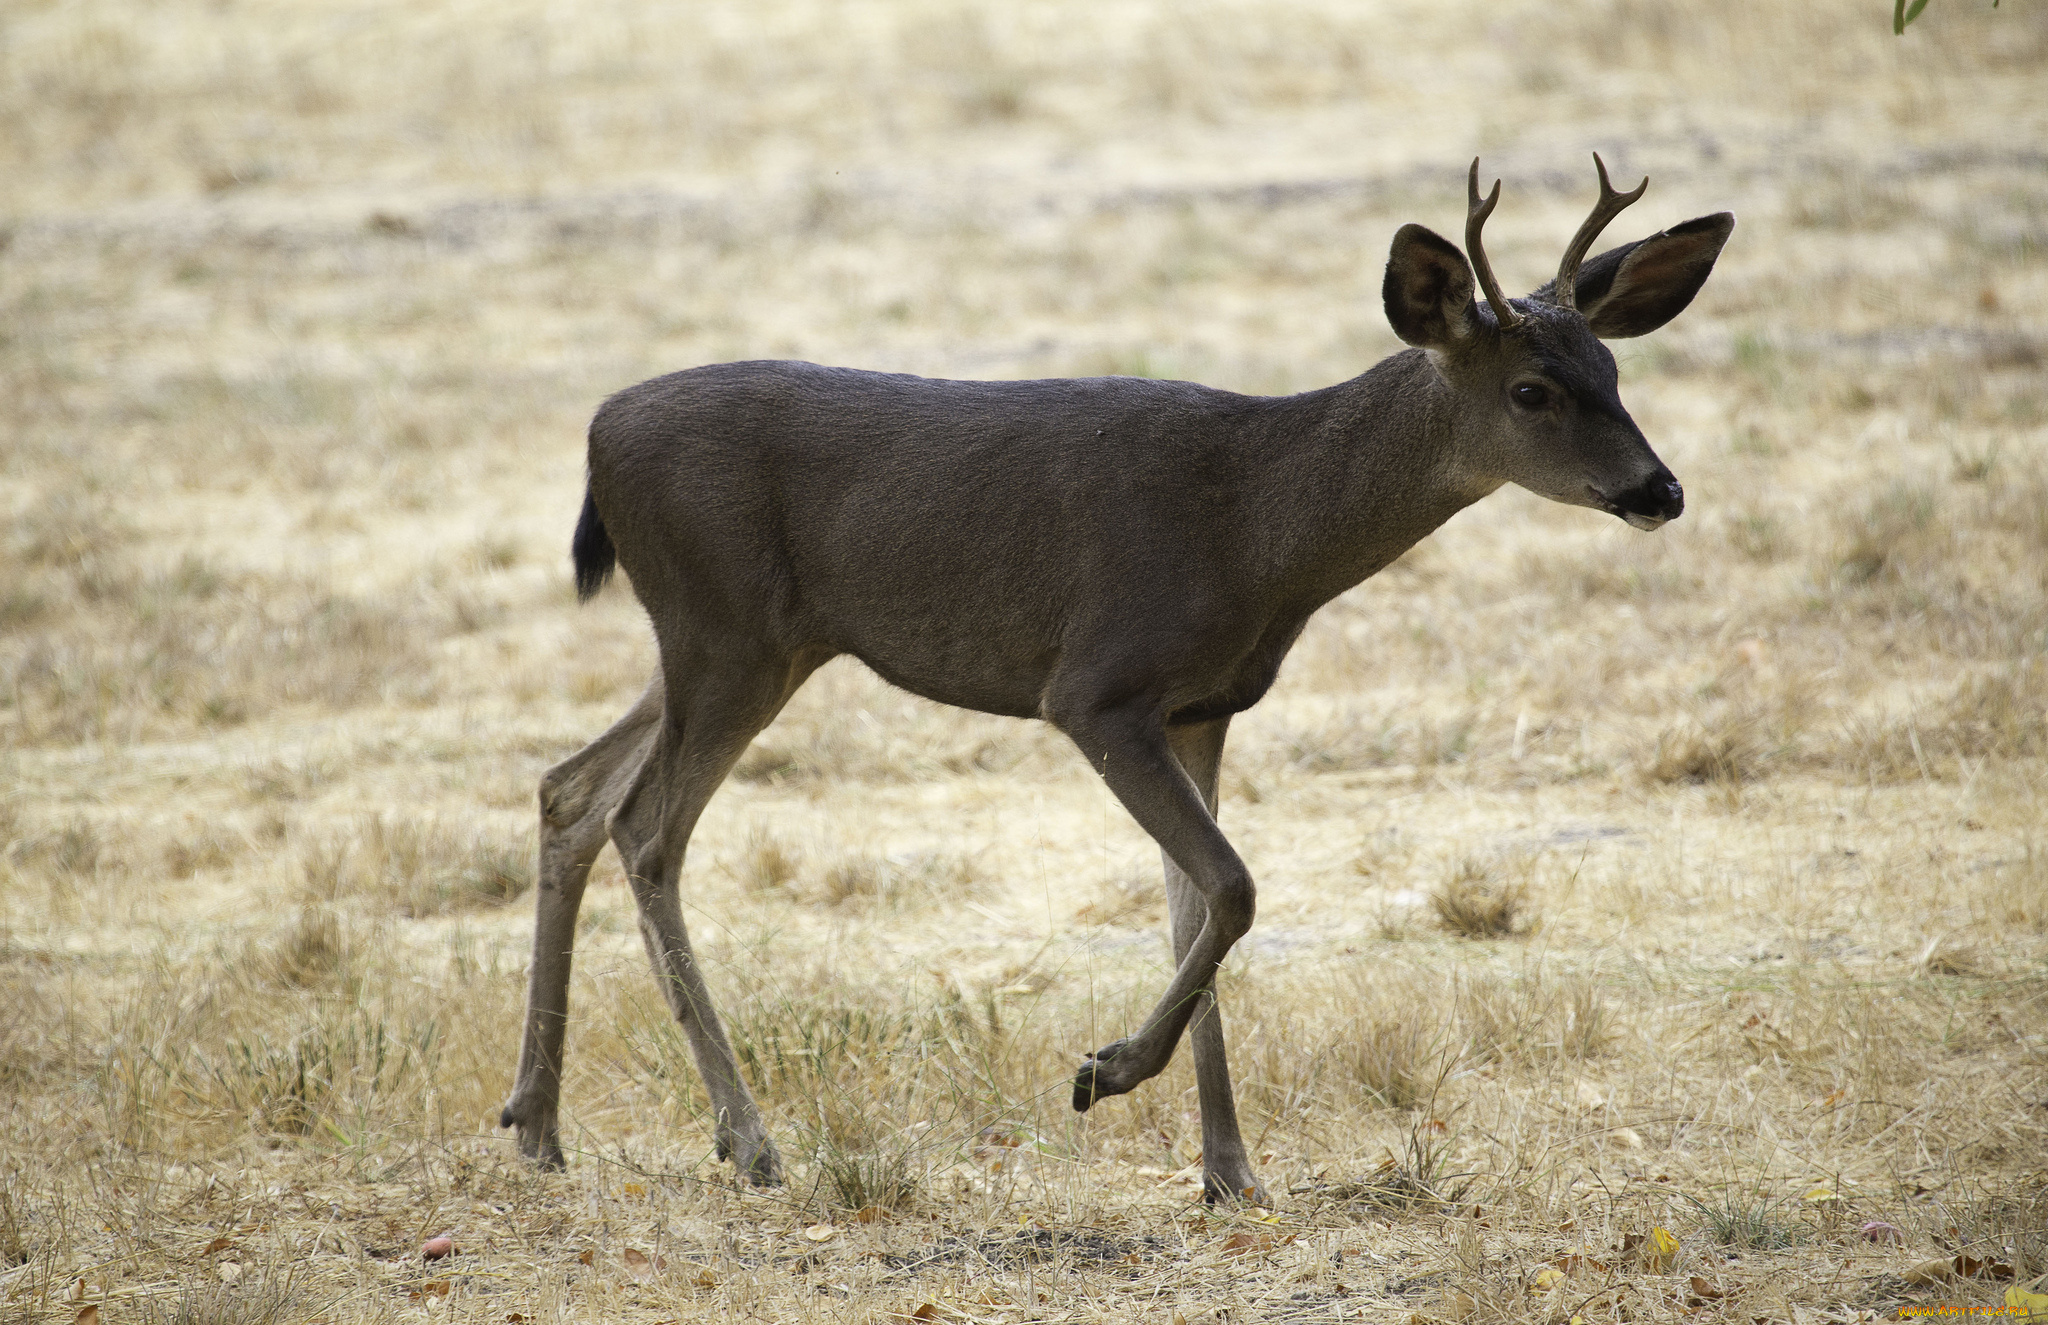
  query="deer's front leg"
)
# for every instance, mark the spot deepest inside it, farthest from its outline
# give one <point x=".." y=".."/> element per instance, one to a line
<point x="1128" y="748"/>
<point x="1226" y="1167"/>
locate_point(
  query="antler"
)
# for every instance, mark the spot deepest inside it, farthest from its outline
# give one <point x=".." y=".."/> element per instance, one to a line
<point x="1565" y="293"/>
<point x="1476" y="213"/>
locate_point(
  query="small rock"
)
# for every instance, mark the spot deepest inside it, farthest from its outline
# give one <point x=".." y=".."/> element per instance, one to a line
<point x="438" y="1248"/>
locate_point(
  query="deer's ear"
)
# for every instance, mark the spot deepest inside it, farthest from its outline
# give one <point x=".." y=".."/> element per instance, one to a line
<point x="1637" y="288"/>
<point x="1428" y="290"/>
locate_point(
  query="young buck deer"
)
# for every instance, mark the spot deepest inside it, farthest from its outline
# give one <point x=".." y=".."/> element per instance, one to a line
<point x="1129" y="560"/>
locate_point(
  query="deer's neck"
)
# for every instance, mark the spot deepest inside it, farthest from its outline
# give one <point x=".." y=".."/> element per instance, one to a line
<point x="1361" y="472"/>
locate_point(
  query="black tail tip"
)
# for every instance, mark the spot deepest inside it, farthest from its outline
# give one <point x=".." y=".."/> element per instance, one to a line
<point x="592" y="550"/>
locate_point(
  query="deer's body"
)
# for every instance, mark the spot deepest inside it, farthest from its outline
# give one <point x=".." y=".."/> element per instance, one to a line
<point x="1127" y="559"/>
<point x="978" y="543"/>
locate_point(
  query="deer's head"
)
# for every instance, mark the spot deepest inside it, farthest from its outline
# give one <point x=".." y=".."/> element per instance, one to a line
<point x="1536" y="391"/>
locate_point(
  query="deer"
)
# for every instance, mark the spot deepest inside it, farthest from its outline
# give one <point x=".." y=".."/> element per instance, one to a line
<point x="1127" y="559"/>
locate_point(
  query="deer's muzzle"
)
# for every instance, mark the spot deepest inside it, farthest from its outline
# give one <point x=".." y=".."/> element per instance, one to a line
<point x="1650" y="503"/>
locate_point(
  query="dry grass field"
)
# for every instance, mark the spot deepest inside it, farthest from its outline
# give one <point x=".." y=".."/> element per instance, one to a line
<point x="1652" y="926"/>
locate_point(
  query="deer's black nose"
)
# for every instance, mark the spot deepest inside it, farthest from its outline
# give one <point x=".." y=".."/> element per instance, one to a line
<point x="1657" y="498"/>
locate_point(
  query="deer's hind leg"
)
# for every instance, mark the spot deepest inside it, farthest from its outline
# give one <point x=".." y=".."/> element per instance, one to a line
<point x="577" y="797"/>
<point x="716" y="706"/>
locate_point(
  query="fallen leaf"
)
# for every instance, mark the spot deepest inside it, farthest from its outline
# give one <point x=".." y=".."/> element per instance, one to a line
<point x="88" y="1315"/>
<point x="640" y="1265"/>
<point x="1243" y="1243"/>
<point x="1653" y="1251"/>
<point x="228" y="1271"/>
<point x="515" y="1318"/>
<point x="706" y="1278"/>
<point x="635" y="1190"/>
<point x="1937" y="1271"/>
<point x="1546" y="1279"/>
<point x="218" y="1244"/>
<point x="871" y="1214"/>
<point x="2025" y="1305"/>
<point x="1702" y="1289"/>
<point x="820" y="1232"/>
<point x="1578" y="1263"/>
<point x="1820" y="1196"/>
<point x="929" y="1311"/>
<point x="432" y="1288"/>
<point x="586" y="1257"/>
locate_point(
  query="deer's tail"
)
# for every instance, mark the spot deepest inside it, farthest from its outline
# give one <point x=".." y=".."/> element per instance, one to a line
<point x="592" y="548"/>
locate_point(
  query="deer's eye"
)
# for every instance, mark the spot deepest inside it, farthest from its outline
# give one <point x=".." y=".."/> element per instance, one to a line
<point x="1531" y="396"/>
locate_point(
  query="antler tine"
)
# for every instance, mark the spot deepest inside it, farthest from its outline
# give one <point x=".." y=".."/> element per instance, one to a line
<point x="1565" y="293"/>
<point x="1476" y="213"/>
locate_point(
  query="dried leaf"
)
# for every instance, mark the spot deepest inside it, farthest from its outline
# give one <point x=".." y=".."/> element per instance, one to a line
<point x="1937" y="1271"/>
<point x="929" y="1311"/>
<point x="1578" y="1263"/>
<point x="1244" y="1242"/>
<point x="640" y="1265"/>
<point x="587" y="1256"/>
<point x="871" y="1214"/>
<point x="2026" y="1306"/>
<point x="821" y="1232"/>
<point x="218" y="1244"/>
<point x="635" y="1190"/>
<point x="706" y="1278"/>
<point x="1702" y="1289"/>
<point x="88" y="1315"/>
<point x="432" y="1288"/>
<point x="1660" y="1250"/>
<point x="1820" y="1196"/>
<point x="1546" y="1279"/>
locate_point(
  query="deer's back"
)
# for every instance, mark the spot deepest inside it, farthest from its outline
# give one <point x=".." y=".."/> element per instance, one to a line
<point x="955" y="535"/>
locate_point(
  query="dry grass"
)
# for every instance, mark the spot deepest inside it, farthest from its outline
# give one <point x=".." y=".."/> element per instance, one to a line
<point x="1608" y="882"/>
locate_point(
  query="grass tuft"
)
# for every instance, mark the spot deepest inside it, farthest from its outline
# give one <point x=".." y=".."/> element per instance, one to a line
<point x="1476" y="901"/>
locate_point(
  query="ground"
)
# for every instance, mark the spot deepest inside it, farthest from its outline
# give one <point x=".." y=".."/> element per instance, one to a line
<point x="1651" y="925"/>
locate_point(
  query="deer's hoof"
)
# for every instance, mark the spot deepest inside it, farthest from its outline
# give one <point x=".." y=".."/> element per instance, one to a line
<point x="763" y="1166"/>
<point x="1233" y="1189"/>
<point x="1097" y="1079"/>
<point x="538" y="1139"/>
<point x="756" y="1158"/>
